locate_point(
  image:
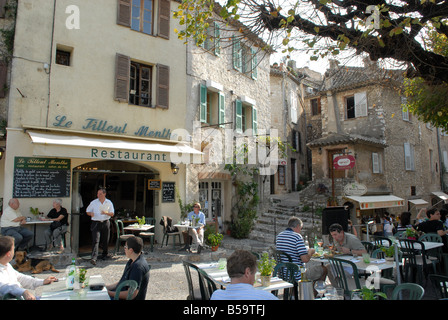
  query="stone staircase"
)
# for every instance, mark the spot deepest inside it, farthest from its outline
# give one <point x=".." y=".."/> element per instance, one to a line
<point x="275" y="218"/>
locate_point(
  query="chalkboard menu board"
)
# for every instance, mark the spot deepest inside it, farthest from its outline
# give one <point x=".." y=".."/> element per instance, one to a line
<point x="41" y="178"/>
<point x="154" y="185"/>
<point x="168" y="192"/>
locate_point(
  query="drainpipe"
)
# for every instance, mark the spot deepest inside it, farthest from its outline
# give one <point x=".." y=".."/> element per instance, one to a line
<point x="50" y="62"/>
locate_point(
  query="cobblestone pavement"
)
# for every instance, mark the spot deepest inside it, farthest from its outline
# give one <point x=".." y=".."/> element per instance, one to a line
<point x="167" y="277"/>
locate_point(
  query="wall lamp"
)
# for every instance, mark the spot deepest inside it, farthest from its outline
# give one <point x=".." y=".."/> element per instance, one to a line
<point x="174" y="168"/>
<point x="2" y="152"/>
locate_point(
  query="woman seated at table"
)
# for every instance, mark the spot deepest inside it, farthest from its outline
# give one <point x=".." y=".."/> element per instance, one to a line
<point x="53" y="235"/>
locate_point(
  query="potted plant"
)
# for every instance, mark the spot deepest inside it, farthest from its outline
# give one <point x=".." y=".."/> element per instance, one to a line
<point x="411" y="234"/>
<point x="141" y="221"/>
<point x="82" y="277"/>
<point x="215" y="239"/>
<point x="35" y="212"/>
<point x="371" y="294"/>
<point x="266" y="267"/>
<point x="388" y="252"/>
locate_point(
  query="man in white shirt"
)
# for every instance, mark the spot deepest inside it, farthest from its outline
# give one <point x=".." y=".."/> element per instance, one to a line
<point x="100" y="210"/>
<point x="11" y="281"/>
<point x="11" y="225"/>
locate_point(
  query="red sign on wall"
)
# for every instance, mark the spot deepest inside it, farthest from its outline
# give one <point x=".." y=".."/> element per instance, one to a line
<point x="343" y="162"/>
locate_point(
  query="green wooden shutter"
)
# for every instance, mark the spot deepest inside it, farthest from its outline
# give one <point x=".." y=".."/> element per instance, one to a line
<point x="217" y="40"/>
<point x="236" y="54"/>
<point x="254" y="64"/>
<point x="222" y="110"/>
<point x="203" y="103"/>
<point x="254" y="121"/>
<point x="238" y="116"/>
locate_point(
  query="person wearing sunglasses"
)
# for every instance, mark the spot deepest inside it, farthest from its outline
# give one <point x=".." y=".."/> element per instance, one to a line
<point x="197" y="218"/>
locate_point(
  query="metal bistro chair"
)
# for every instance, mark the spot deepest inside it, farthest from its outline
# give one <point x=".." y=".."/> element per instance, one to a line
<point x="288" y="271"/>
<point x="148" y="234"/>
<point x="440" y="283"/>
<point x="341" y="269"/>
<point x="121" y="236"/>
<point x="408" y="291"/>
<point x="130" y="285"/>
<point x="166" y="222"/>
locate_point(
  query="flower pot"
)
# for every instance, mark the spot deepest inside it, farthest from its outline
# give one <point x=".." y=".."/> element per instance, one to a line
<point x="412" y="238"/>
<point x="389" y="259"/>
<point x="214" y="248"/>
<point x="265" y="281"/>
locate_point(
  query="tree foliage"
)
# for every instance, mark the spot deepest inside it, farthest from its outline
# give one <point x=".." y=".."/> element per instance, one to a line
<point x="382" y="29"/>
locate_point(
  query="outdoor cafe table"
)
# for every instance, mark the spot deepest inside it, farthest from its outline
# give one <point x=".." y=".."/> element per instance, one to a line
<point x="221" y="277"/>
<point x="138" y="228"/>
<point x="186" y="226"/>
<point x="58" y="291"/>
<point x="378" y="264"/>
<point x="34" y="223"/>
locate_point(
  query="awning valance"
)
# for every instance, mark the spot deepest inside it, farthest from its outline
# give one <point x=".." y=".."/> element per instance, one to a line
<point x="418" y="202"/>
<point x="376" y="202"/>
<point x="105" y="148"/>
<point x="441" y="195"/>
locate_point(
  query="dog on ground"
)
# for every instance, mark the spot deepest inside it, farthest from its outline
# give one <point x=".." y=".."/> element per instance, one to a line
<point x="24" y="264"/>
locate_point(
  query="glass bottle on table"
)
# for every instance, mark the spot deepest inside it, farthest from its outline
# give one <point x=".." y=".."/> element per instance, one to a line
<point x="71" y="275"/>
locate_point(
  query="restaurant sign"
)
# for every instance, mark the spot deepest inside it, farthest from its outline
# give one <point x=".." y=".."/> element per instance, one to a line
<point x="343" y="162"/>
<point x="381" y="204"/>
<point x="355" y="189"/>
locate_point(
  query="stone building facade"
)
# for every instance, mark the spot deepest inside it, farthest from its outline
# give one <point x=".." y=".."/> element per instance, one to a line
<point x="397" y="158"/>
<point x="228" y="105"/>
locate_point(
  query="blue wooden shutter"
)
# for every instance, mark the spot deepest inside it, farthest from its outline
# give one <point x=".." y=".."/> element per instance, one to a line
<point x="238" y="116"/>
<point x="217" y="39"/>
<point x="222" y="110"/>
<point x="237" y="55"/>
<point x="254" y="121"/>
<point x="254" y="63"/>
<point x="203" y="103"/>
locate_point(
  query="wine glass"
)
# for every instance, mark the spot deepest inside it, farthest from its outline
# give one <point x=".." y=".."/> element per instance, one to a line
<point x="356" y="295"/>
<point x="320" y="288"/>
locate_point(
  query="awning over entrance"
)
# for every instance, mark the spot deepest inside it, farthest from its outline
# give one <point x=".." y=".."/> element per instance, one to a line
<point x="376" y="202"/>
<point x="105" y="148"/>
<point x="418" y="202"/>
<point x="441" y="195"/>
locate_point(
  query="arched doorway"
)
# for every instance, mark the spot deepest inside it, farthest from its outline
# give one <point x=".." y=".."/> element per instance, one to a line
<point x="126" y="184"/>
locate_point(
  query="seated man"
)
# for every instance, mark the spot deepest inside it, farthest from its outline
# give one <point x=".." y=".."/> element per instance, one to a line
<point x="291" y="242"/>
<point x="346" y="242"/>
<point x="11" y="281"/>
<point x="11" y="225"/>
<point x="136" y="269"/>
<point x="241" y="268"/>
<point x="197" y="233"/>
<point x="434" y="225"/>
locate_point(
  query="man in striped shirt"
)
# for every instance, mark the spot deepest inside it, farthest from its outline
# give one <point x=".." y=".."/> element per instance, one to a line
<point x="291" y="242"/>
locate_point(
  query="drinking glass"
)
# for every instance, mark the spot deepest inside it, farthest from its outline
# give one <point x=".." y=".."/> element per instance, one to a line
<point x="330" y="292"/>
<point x="320" y="288"/>
<point x="366" y="257"/>
<point x="356" y="295"/>
<point x="339" y="294"/>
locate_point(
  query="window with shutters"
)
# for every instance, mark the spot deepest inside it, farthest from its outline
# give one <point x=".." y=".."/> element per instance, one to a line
<point x="356" y="106"/>
<point x="146" y="16"/>
<point x="409" y="157"/>
<point x="245" y="118"/>
<point x="315" y="107"/>
<point x="244" y="58"/>
<point x="376" y="163"/>
<point x="141" y="84"/>
<point x="212" y="41"/>
<point x="212" y="106"/>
